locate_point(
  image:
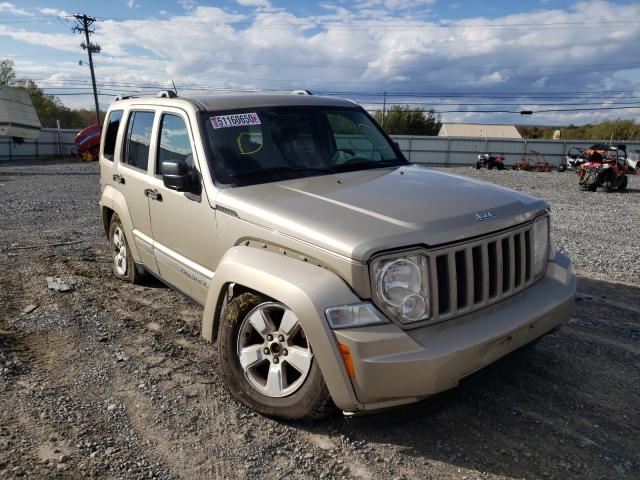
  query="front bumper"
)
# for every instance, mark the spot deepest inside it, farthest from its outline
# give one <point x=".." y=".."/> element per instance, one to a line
<point x="395" y="366"/>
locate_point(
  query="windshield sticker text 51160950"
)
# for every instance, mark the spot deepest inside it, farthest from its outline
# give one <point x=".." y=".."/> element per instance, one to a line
<point x="235" y="120"/>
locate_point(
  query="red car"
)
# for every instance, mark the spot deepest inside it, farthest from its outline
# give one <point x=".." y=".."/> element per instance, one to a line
<point x="88" y="142"/>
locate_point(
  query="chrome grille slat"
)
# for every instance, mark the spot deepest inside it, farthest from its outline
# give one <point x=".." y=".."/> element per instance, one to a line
<point x="453" y="283"/>
<point x="470" y="292"/>
<point x="523" y="261"/>
<point x="467" y="277"/>
<point x="512" y="263"/>
<point x="485" y="272"/>
<point x="499" y="266"/>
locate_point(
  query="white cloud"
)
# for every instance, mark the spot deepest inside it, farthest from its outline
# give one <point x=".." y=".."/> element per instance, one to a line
<point x="11" y="8"/>
<point x="254" y="3"/>
<point x="54" y="11"/>
<point x="131" y="4"/>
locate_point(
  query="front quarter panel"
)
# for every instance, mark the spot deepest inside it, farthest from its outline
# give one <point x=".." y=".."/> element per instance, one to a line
<point x="307" y="289"/>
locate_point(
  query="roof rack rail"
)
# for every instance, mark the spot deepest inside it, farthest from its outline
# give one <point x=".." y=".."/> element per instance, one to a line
<point x="124" y="96"/>
<point x="300" y="92"/>
<point x="167" y="94"/>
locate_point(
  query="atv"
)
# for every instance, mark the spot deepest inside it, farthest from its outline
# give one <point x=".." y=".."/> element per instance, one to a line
<point x="608" y="171"/>
<point x="574" y="159"/>
<point x="490" y="161"/>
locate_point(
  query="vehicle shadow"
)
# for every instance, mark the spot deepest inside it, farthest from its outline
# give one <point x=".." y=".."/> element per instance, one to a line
<point x="564" y="408"/>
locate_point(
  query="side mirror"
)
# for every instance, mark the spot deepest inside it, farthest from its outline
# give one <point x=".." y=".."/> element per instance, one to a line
<point x="176" y="176"/>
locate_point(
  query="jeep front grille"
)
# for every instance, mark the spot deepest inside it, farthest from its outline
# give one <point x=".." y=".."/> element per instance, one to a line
<point x="469" y="276"/>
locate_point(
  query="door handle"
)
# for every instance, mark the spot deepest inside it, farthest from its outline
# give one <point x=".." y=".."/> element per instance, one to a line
<point x="118" y="178"/>
<point x="153" y="194"/>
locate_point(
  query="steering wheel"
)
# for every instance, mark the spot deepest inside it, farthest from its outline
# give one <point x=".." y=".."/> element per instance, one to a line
<point x="337" y="154"/>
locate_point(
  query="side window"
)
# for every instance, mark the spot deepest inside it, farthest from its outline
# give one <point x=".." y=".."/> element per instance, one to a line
<point x="113" y="124"/>
<point x="136" y="151"/>
<point x="174" y="142"/>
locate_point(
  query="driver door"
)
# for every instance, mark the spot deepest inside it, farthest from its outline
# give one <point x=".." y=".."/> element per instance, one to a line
<point x="183" y="223"/>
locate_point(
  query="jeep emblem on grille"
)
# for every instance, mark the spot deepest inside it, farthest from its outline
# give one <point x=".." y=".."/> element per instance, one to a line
<point x="482" y="216"/>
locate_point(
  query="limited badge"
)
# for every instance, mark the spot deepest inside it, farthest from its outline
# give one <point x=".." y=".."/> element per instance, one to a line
<point x="235" y="120"/>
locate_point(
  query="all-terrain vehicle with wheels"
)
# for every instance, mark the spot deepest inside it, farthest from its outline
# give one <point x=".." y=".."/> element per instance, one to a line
<point x="490" y="161"/>
<point x="331" y="271"/>
<point x="607" y="169"/>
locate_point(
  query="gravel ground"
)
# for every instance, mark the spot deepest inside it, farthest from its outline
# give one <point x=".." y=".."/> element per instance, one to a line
<point x="112" y="380"/>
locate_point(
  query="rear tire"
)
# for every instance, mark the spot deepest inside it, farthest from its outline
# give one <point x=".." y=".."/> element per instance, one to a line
<point x="122" y="262"/>
<point x="500" y="166"/>
<point x="295" y="392"/>
<point x="562" y="167"/>
<point x="623" y="186"/>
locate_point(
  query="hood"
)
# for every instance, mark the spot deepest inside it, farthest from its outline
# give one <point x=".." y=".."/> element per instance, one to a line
<point x="356" y="214"/>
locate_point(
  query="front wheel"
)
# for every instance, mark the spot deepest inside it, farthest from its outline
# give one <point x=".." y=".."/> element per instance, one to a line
<point x="267" y="360"/>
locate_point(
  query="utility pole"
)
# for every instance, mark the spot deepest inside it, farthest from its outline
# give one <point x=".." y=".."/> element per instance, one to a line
<point x="384" y="107"/>
<point x="82" y="26"/>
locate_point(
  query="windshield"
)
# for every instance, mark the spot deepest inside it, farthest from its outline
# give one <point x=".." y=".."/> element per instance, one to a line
<point x="269" y="144"/>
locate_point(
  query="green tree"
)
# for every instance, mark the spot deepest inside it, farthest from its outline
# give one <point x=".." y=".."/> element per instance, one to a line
<point x="405" y="120"/>
<point x="7" y="72"/>
<point x="620" y="130"/>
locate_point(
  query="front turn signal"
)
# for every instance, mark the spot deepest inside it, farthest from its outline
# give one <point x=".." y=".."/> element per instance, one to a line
<point x="347" y="359"/>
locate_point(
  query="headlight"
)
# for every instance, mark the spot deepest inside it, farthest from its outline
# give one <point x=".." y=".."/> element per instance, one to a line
<point x="540" y="244"/>
<point x="358" y="315"/>
<point x="401" y="287"/>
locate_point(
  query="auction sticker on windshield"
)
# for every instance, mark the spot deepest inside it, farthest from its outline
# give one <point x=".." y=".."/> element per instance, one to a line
<point x="235" y="120"/>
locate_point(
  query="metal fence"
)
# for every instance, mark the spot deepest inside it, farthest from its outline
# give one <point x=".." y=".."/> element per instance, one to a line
<point x="464" y="150"/>
<point x="419" y="149"/>
<point x="47" y="145"/>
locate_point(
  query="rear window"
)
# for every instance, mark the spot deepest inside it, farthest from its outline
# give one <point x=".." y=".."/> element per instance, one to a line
<point x="113" y="124"/>
<point x="136" y="152"/>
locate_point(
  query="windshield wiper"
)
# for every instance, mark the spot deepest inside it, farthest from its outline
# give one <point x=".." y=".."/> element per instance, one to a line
<point x="366" y="164"/>
<point x="271" y="171"/>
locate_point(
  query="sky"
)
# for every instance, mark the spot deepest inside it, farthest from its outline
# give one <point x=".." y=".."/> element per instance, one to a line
<point x="479" y="61"/>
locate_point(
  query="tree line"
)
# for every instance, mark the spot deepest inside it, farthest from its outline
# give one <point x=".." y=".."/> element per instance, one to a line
<point x="621" y="130"/>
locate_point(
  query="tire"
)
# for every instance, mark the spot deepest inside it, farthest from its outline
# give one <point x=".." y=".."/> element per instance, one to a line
<point x="562" y="167"/>
<point x="305" y="395"/>
<point x="122" y="262"/>
<point x="490" y="166"/>
<point x="500" y="166"/>
<point x="623" y="186"/>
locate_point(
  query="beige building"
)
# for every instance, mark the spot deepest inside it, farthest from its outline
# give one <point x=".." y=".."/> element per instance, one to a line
<point x="478" y="130"/>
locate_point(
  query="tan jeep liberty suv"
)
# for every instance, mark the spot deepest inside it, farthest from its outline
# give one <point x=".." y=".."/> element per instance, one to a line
<point x="330" y="269"/>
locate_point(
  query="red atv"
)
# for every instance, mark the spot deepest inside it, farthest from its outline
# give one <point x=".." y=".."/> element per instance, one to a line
<point x="607" y="169"/>
<point x="490" y="161"/>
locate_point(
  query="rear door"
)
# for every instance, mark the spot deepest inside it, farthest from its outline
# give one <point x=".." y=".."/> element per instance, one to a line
<point x="108" y="147"/>
<point x="132" y="179"/>
<point x="184" y="225"/>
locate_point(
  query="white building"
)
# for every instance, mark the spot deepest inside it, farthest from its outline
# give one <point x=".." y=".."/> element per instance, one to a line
<point x="18" y="118"/>
<point x="478" y="130"/>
